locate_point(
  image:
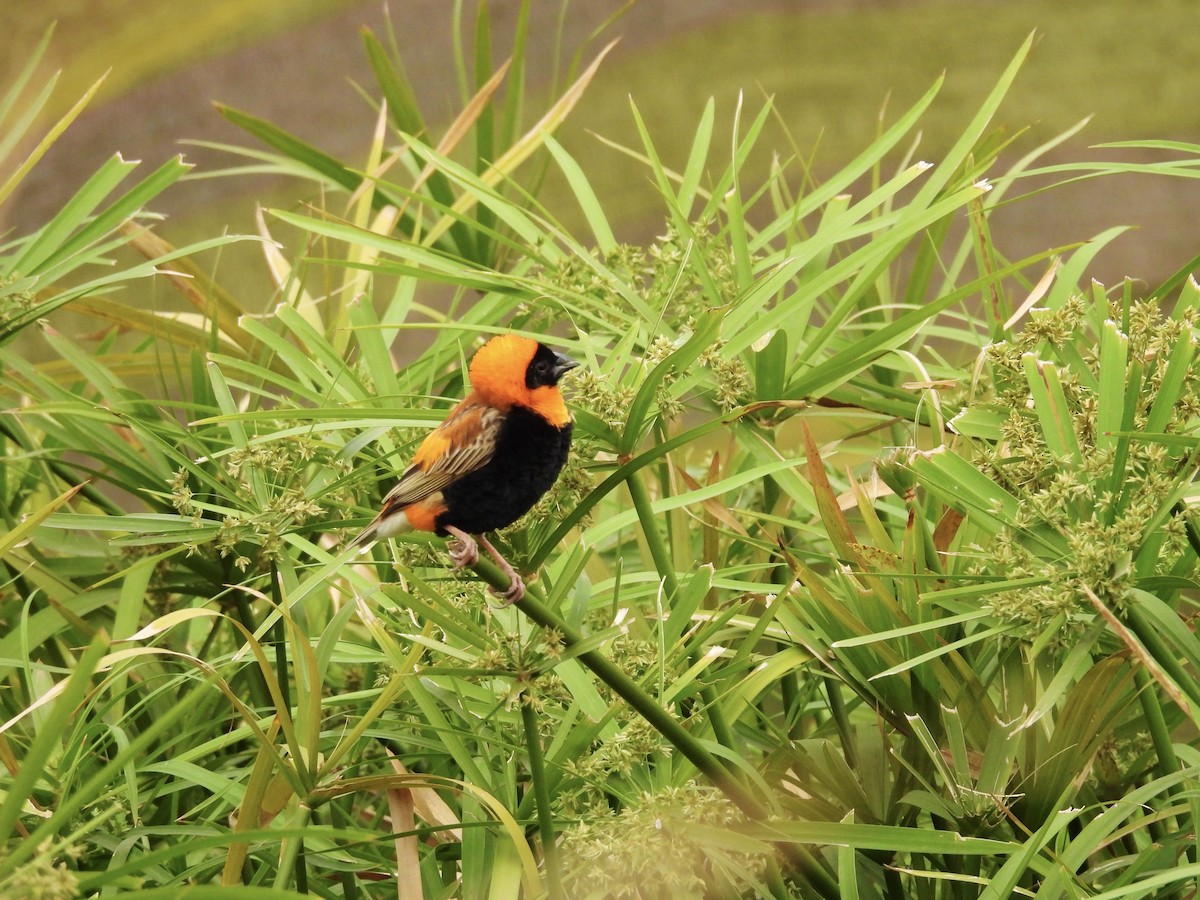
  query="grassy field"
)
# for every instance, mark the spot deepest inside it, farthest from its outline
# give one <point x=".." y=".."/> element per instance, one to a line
<point x="1129" y="66"/>
<point x="831" y="75"/>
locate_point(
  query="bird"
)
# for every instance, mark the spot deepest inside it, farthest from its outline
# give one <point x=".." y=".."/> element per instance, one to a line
<point x="492" y="458"/>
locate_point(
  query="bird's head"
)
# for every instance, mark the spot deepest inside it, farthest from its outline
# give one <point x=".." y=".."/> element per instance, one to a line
<point x="510" y="370"/>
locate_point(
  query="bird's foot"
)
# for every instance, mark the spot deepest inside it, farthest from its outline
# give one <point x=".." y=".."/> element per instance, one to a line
<point x="463" y="549"/>
<point x="514" y="592"/>
<point x="516" y="587"/>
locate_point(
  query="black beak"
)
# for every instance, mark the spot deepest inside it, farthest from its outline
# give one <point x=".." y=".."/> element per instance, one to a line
<point x="562" y="365"/>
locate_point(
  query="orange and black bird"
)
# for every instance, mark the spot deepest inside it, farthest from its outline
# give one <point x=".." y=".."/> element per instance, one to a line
<point x="500" y="449"/>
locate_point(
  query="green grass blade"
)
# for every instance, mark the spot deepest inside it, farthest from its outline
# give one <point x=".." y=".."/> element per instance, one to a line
<point x="68" y="695"/>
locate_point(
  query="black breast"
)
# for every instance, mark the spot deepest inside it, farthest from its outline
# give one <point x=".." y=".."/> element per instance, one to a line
<point x="530" y="452"/>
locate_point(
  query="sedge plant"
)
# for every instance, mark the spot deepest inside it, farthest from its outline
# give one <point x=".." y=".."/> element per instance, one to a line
<point x="871" y="573"/>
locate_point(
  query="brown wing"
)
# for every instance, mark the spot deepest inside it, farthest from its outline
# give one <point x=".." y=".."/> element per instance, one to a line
<point x="464" y="442"/>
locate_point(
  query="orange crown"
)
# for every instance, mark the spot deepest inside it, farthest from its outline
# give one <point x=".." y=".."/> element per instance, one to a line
<point x="497" y="374"/>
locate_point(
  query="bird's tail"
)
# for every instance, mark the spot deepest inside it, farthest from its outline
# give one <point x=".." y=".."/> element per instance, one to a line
<point x="386" y="524"/>
<point x="365" y="538"/>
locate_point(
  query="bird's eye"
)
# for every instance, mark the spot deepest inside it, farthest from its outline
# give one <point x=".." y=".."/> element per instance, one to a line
<point x="542" y="366"/>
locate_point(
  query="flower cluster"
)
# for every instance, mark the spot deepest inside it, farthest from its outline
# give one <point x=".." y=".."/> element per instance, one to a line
<point x="14" y="303"/>
<point x="41" y="878"/>
<point x="620" y="756"/>
<point x="658" y="844"/>
<point x="261" y="493"/>
<point x="730" y="375"/>
<point x="605" y="399"/>
<point x="1113" y="502"/>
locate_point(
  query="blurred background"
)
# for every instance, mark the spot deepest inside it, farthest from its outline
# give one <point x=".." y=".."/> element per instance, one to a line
<point x="833" y="68"/>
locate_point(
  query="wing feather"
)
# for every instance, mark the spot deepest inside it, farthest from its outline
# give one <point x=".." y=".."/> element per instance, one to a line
<point x="463" y="443"/>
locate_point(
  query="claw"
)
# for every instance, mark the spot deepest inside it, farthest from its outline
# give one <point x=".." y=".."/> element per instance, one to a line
<point x="463" y="549"/>
<point x="516" y="587"/>
<point x="515" y="591"/>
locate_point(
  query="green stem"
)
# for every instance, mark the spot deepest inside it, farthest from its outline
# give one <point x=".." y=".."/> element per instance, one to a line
<point x="666" y="725"/>
<point x="895" y="887"/>
<point x="1189" y="527"/>
<point x="666" y="570"/>
<point x="790" y="697"/>
<point x="837" y="710"/>
<point x="279" y="638"/>
<point x="1168" y="763"/>
<point x="775" y="883"/>
<point x="301" y="862"/>
<point x="1146" y="632"/>
<point x="291" y="857"/>
<point x="258" y="682"/>
<point x="541" y="790"/>
<point x="1160" y="736"/>
<point x="209" y="638"/>
<point x="654" y="539"/>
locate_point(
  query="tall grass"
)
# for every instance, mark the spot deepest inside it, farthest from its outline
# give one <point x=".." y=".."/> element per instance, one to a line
<point x="871" y="574"/>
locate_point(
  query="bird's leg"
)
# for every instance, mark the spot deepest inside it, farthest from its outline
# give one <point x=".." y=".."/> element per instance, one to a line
<point x="463" y="549"/>
<point x="516" y="587"/>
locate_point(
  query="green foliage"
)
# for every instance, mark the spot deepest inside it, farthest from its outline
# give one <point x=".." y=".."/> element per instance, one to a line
<point x="1080" y="442"/>
<point x="793" y="628"/>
